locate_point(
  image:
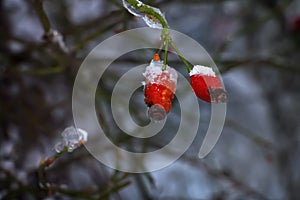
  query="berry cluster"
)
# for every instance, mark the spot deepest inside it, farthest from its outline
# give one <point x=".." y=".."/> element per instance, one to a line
<point x="160" y="85"/>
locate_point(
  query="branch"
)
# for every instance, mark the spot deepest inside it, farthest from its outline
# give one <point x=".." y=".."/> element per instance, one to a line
<point x="38" y="4"/>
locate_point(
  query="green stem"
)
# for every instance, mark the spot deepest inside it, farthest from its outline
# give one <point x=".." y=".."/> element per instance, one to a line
<point x="185" y="62"/>
<point x="165" y="55"/>
<point x="165" y="33"/>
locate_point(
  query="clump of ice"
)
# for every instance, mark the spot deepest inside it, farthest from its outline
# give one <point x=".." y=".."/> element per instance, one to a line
<point x="72" y="138"/>
<point x="202" y="70"/>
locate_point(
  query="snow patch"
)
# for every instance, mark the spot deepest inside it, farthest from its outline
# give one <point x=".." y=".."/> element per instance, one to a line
<point x="155" y="69"/>
<point x="202" y="70"/>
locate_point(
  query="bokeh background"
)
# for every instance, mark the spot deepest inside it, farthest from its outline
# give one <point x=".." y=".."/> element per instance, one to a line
<point x="255" y="45"/>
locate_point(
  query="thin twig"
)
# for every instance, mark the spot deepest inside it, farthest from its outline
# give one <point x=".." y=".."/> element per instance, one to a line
<point x="38" y="4"/>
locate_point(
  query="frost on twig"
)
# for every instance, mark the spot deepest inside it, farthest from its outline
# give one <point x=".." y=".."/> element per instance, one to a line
<point x="151" y="20"/>
<point x="56" y="37"/>
<point x="72" y="138"/>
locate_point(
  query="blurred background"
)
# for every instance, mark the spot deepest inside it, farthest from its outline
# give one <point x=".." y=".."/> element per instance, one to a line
<point x="255" y="45"/>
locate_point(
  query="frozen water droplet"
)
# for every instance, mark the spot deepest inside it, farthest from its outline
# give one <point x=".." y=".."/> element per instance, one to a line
<point x="132" y="9"/>
<point x="157" y="113"/>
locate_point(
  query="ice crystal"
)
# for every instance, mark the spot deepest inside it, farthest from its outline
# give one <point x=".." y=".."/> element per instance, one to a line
<point x="72" y="138"/>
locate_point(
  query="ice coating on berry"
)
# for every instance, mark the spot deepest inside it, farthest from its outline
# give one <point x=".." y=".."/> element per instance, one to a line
<point x="159" y="88"/>
<point x="157" y="113"/>
<point x="155" y="74"/>
<point x="203" y="70"/>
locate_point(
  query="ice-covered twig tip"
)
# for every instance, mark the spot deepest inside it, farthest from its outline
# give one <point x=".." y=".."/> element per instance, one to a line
<point x="72" y="138"/>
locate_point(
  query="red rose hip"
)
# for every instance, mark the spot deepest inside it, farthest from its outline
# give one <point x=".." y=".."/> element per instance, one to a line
<point x="207" y="85"/>
<point x="159" y="88"/>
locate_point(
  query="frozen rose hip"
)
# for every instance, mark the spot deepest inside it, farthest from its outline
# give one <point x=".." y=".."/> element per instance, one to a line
<point x="159" y="88"/>
<point x="207" y="85"/>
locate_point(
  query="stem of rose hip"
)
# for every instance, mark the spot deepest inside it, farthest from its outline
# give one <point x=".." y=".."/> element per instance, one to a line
<point x="187" y="65"/>
<point x="165" y="55"/>
<point x="165" y="33"/>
